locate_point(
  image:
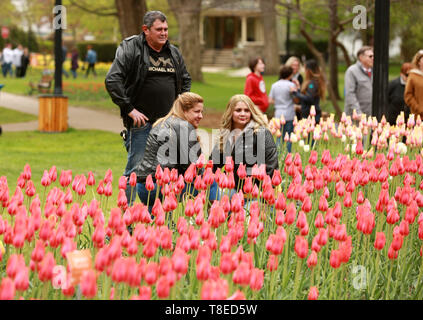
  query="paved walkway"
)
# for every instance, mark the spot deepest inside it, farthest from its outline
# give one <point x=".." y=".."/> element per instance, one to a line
<point x="78" y="117"/>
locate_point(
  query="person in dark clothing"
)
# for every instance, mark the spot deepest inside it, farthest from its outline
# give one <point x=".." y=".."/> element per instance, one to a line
<point x="396" y="96"/>
<point x="148" y="73"/>
<point x="312" y="90"/>
<point x="91" y="59"/>
<point x="24" y="63"/>
<point x="74" y="62"/>
<point x="244" y="136"/>
<point x="172" y="142"/>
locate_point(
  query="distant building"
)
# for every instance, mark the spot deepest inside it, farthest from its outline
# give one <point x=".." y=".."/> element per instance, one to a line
<point x="232" y="33"/>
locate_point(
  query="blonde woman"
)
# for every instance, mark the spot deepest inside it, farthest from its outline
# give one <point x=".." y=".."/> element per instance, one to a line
<point x="245" y="136"/>
<point x="413" y="94"/>
<point x="172" y="142"/>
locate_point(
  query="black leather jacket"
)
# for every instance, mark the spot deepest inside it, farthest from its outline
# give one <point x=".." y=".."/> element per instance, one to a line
<point x="250" y="148"/>
<point x="129" y="70"/>
<point x="172" y="144"/>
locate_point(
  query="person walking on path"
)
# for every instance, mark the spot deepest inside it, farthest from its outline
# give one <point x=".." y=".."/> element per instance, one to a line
<point x="91" y="59"/>
<point x="396" y="102"/>
<point x="24" y="63"/>
<point x="358" y="84"/>
<point x="280" y="96"/>
<point x="74" y="62"/>
<point x="413" y="94"/>
<point x="7" y="57"/>
<point x="147" y="75"/>
<point x="255" y="87"/>
<point x="17" y="62"/>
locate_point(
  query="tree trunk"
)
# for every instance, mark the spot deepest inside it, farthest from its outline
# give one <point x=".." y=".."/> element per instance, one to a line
<point x="321" y="60"/>
<point x="344" y="52"/>
<point x="271" y="50"/>
<point x="333" y="54"/>
<point x="130" y="14"/>
<point x="187" y="13"/>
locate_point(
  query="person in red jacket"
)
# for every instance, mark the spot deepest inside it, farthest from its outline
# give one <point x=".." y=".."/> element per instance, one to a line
<point x="254" y="86"/>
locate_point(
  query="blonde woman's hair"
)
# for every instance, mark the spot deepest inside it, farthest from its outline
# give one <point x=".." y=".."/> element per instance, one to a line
<point x="291" y="59"/>
<point x="416" y="59"/>
<point x="183" y="103"/>
<point x="227" y="125"/>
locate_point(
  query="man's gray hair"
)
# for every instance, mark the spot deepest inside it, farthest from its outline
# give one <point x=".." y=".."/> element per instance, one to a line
<point x="363" y="50"/>
<point x="152" y="16"/>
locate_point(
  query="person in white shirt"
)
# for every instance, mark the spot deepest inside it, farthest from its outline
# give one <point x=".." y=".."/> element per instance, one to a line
<point x="6" y="67"/>
<point x="17" y="59"/>
<point x="280" y="95"/>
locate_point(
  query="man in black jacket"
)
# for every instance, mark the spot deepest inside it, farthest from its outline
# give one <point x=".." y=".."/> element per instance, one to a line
<point x="396" y="102"/>
<point x="145" y="78"/>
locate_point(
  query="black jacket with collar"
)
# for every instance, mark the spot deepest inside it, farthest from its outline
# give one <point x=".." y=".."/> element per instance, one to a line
<point x="248" y="144"/>
<point x="172" y="144"/>
<point x="129" y="70"/>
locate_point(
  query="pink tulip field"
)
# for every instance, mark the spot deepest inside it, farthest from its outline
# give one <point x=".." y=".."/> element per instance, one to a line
<point x="341" y="219"/>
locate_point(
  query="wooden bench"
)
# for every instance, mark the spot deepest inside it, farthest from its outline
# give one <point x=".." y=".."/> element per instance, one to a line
<point x="44" y="86"/>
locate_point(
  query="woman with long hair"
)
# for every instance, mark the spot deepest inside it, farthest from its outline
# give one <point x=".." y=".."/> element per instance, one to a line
<point x="172" y="142"/>
<point x="312" y="90"/>
<point x="413" y="94"/>
<point x="244" y="136"/>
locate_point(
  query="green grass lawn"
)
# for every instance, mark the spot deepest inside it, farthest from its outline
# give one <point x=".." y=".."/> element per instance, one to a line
<point x="12" y="116"/>
<point x="80" y="151"/>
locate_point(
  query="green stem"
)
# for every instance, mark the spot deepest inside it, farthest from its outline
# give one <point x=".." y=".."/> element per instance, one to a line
<point x="376" y="277"/>
<point x="389" y="280"/>
<point x="297" y="274"/>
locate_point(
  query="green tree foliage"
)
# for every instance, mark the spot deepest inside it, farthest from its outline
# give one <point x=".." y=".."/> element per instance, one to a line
<point x="407" y="23"/>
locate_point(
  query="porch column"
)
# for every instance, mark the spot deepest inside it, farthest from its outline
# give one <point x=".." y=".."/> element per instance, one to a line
<point x="243" y="30"/>
<point x="202" y="30"/>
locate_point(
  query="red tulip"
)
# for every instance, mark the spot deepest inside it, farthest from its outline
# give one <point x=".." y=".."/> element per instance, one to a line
<point x="242" y="274"/>
<point x="162" y="287"/>
<point x="229" y="164"/>
<point x="241" y="172"/>
<point x="180" y="261"/>
<point x="313" y="157"/>
<point x="46" y="266"/>
<point x="276" y="178"/>
<point x="380" y="241"/>
<point x="313" y="293"/>
<point x="290" y="214"/>
<point x="45" y="180"/>
<point x="312" y="259"/>
<point x="150" y="273"/>
<point x="301" y="247"/>
<point x="53" y="173"/>
<point x="27" y="172"/>
<point x="257" y="279"/>
<point x="88" y="284"/>
<point x="248" y="185"/>
<point x="392" y="253"/>
<point x="335" y="260"/>
<point x="7" y="289"/>
<point x="272" y="264"/>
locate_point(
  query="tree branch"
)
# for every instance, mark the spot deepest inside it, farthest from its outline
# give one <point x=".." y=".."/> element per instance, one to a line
<point x="96" y="11"/>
